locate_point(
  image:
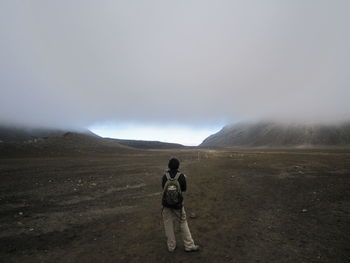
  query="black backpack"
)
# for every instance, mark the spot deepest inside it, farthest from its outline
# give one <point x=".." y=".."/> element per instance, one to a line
<point x="172" y="195"/>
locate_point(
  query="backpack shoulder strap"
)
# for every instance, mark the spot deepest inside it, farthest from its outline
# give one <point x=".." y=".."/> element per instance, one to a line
<point x="168" y="176"/>
<point x="177" y="176"/>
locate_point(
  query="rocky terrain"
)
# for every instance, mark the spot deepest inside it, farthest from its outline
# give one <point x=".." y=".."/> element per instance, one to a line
<point x="78" y="199"/>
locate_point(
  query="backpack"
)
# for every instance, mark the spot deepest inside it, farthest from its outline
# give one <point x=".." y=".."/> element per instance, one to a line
<point x="172" y="195"/>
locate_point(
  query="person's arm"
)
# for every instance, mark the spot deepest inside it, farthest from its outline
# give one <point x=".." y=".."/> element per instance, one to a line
<point x="183" y="185"/>
<point x="182" y="181"/>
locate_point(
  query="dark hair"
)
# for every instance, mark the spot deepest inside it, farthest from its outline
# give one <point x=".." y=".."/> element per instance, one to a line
<point x="173" y="164"/>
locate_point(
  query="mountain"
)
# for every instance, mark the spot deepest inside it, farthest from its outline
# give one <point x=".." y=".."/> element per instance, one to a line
<point x="149" y="144"/>
<point x="28" y="141"/>
<point x="273" y="134"/>
<point x="10" y="133"/>
<point x="67" y="144"/>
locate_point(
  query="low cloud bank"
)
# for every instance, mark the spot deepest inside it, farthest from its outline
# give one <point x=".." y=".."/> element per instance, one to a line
<point x="193" y="62"/>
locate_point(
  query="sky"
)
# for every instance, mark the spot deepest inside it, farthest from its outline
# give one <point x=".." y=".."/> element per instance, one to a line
<point x="190" y="65"/>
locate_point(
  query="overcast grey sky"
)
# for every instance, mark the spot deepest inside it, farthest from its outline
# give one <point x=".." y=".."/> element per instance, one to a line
<point x="76" y="63"/>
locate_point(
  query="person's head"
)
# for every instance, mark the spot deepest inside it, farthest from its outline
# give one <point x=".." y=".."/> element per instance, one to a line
<point x="173" y="164"/>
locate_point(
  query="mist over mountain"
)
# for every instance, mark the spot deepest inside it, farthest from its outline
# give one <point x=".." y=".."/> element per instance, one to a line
<point x="279" y="134"/>
<point x="197" y="64"/>
<point x="173" y="62"/>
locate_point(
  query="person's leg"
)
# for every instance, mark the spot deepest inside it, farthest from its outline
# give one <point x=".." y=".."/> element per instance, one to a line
<point x="185" y="231"/>
<point x="168" y="219"/>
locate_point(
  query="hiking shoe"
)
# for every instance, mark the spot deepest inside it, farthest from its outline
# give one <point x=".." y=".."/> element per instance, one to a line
<point x="192" y="249"/>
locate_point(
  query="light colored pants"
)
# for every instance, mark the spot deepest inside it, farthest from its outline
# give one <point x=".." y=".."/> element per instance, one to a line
<point x="170" y="216"/>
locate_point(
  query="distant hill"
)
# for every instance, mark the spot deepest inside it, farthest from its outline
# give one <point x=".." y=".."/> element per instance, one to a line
<point x="10" y="133"/>
<point x="272" y="134"/>
<point x="24" y="141"/>
<point x="66" y="144"/>
<point x="149" y="144"/>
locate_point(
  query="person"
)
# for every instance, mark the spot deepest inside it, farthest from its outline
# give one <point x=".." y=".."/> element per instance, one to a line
<point x="176" y="213"/>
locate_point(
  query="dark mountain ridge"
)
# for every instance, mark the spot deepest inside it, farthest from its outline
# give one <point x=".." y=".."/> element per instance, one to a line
<point x="17" y="139"/>
<point x="12" y="133"/>
<point x="140" y="144"/>
<point x="67" y="144"/>
<point x="274" y="134"/>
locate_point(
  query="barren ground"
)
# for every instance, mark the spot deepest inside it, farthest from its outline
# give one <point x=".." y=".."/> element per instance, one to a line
<point x="250" y="206"/>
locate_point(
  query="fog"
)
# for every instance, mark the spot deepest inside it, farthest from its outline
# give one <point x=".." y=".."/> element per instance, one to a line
<point x="77" y="63"/>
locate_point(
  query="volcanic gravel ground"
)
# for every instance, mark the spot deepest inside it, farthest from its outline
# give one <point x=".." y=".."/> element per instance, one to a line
<point x="246" y="206"/>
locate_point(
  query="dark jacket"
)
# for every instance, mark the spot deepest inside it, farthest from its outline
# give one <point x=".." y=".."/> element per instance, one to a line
<point x="182" y="179"/>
